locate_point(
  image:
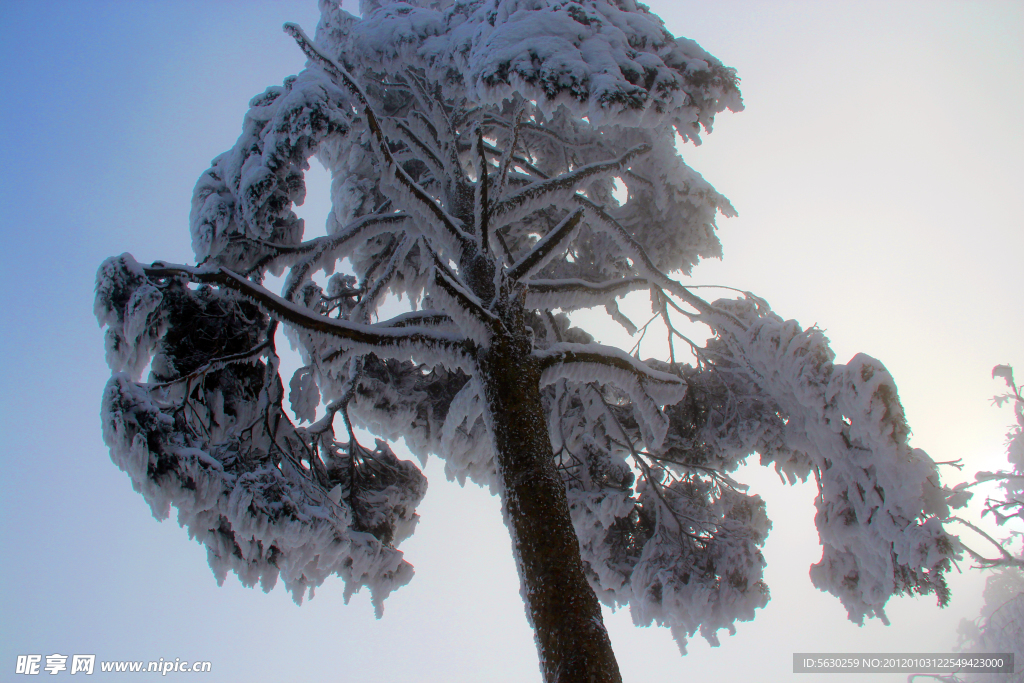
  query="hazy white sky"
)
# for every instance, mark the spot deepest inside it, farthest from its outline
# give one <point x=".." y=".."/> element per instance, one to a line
<point x="877" y="173"/>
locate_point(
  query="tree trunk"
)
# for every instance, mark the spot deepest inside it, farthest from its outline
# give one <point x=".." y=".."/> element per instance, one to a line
<point x="560" y="604"/>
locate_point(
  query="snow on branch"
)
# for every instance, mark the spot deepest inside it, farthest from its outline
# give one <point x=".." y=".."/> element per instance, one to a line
<point x="546" y="248"/>
<point x="542" y="193"/>
<point x="438" y="122"/>
<point x="400" y="118"/>
<point x="422" y="151"/>
<point x="326" y="63"/>
<point x="417" y="319"/>
<point x="465" y="308"/>
<point x="249" y="191"/>
<point x="679" y="544"/>
<point x="642" y="261"/>
<point x="612" y="62"/>
<point x="258" y="511"/>
<point x="572" y="293"/>
<point x="647" y="388"/>
<point x="505" y="163"/>
<point x="208" y="436"/>
<point x="389" y="342"/>
<point x="418" y="200"/>
<point x="322" y="252"/>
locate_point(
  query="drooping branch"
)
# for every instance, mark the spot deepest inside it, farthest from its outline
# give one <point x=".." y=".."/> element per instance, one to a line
<point x="572" y="293"/>
<point x="383" y="340"/>
<point x="610" y="358"/>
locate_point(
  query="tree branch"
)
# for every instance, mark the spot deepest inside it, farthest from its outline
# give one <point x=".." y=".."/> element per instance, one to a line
<point x="566" y="353"/>
<point x="321" y="246"/>
<point x="450" y="224"/>
<point x="564" y="182"/>
<point x="545" y="247"/>
<point x="510" y="152"/>
<point x="583" y="293"/>
<point x="481" y="205"/>
<point x="466" y="301"/>
<point x="381" y="339"/>
<point x="1007" y="560"/>
<point x="520" y="161"/>
<point x="435" y="106"/>
<point x="641" y="259"/>
<point x="428" y="156"/>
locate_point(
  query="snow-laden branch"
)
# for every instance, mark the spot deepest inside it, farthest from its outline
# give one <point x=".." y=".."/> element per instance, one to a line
<point x="442" y="126"/>
<point x="525" y="201"/>
<point x="510" y="150"/>
<point x="880" y="512"/>
<point x="533" y="128"/>
<point x="422" y="203"/>
<point x="481" y="202"/>
<point x="1006" y="558"/>
<point x="372" y="294"/>
<point x="547" y="247"/>
<point x="466" y="308"/>
<point x="417" y="319"/>
<point x="572" y="293"/>
<point x="641" y="260"/>
<point x="386" y="341"/>
<point x="338" y="72"/>
<point x="519" y="161"/>
<point x="647" y="388"/>
<point x="420" y="149"/>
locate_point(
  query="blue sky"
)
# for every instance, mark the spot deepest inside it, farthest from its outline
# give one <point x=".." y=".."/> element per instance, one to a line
<point x="876" y="171"/>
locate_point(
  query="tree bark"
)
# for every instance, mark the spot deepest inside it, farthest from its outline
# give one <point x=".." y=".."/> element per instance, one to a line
<point x="560" y="604"/>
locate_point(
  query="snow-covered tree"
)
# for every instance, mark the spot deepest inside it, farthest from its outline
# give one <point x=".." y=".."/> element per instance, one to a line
<point x="499" y="165"/>
<point x="1000" y="626"/>
<point x="1007" y="505"/>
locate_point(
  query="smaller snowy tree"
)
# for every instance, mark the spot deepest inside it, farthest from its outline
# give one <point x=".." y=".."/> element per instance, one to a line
<point x="1009" y="506"/>
<point x="475" y="148"/>
<point x="1000" y="626"/>
<point x="1006" y="507"/>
